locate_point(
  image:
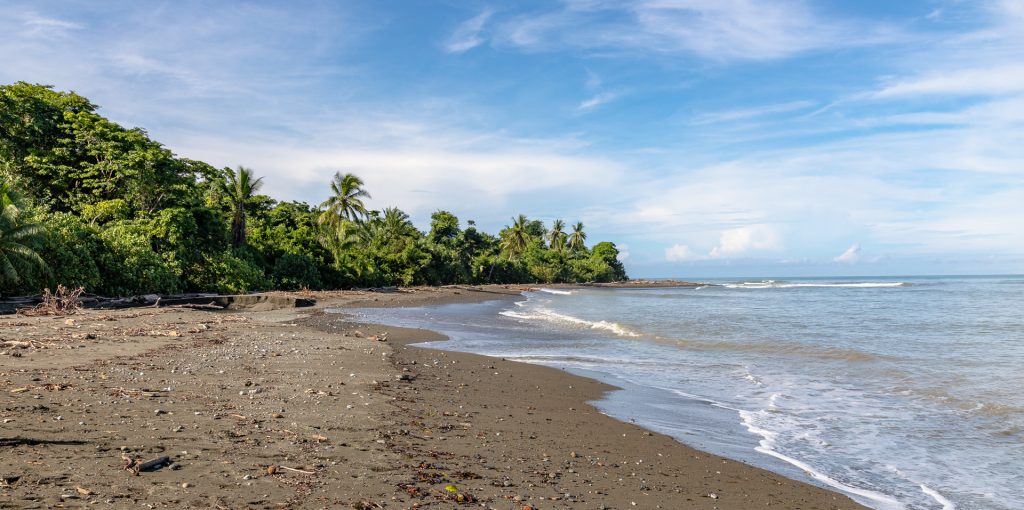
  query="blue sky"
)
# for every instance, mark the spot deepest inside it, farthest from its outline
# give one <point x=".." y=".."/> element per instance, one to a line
<point x="705" y="137"/>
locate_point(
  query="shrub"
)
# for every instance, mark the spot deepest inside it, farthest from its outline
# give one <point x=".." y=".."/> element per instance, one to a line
<point x="225" y="273"/>
<point x="293" y="272"/>
<point x="128" y="265"/>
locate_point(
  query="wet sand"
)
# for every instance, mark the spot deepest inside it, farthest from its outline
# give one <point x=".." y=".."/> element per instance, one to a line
<point x="305" y="409"/>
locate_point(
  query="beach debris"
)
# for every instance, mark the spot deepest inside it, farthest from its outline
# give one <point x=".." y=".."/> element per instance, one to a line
<point x="130" y="464"/>
<point x="271" y="470"/>
<point x="18" y="344"/>
<point x="297" y="470"/>
<point x="136" y="466"/>
<point x="64" y="301"/>
<point x="713" y="495"/>
<point x="83" y="491"/>
<point x="154" y="464"/>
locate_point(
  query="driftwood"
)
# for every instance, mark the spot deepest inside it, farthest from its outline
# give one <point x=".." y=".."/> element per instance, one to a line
<point x="64" y="301"/>
<point x="20" y="344"/>
<point x="155" y="464"/>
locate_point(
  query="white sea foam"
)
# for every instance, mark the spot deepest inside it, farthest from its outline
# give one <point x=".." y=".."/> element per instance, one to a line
<point x="772" y="284"/>
<point x="556" y="291"/>
<point x="946" y="504"/>
<point x="767" y="447"/>
<point x="550" y="316"/>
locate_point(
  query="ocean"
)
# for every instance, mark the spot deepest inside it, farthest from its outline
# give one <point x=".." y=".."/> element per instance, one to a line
<point x="904" y="393"/>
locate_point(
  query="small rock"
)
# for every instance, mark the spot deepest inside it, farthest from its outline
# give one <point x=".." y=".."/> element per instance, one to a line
<point x="185" y="485"/>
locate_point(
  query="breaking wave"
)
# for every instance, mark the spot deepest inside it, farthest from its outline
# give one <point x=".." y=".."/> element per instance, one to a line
<point x="772" y="284"/>
<point x="549" y="316"/>
<point x="556" y="291"/>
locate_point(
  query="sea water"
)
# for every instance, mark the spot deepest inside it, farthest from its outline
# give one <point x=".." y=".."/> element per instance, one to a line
<point x="900" y="392"/>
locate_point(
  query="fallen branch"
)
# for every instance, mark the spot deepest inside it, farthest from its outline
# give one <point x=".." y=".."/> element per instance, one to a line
<point x="20" y="344"/>
<point x="286" y="468"/>
<point x="153" y="465"/>
<point x="64" y="301"/>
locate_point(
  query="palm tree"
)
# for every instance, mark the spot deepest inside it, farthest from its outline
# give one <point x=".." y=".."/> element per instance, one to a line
<point x="16" y="237"/>
<point x="394" y="224"/>
<point x="8" y="196"/>
<point x="516" y="238"/>
<point x="556" y="236"/>
<point x="239" y="187"/>
<point x="578" y="238"/>
<point x="341" y="241"/>
<point x="347" y="201"/>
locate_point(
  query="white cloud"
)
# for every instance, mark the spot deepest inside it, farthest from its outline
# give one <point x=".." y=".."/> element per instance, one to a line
<point x="468" y="34"/>
<point x="749" y="113"/>
<point x="597" y="100"/>
<point x="741" y="240"/>
<point x="679" y="253"/>
<point x="851" y="255"/>
<point x="421" y="166"/>
<point x="44" y="25"/>
<point x="720" y="30"/>
<point x="997" y="80"/>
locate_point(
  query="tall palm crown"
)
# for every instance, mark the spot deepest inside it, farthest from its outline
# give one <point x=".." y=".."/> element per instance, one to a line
<point x="556" y="236"/>
<point x="395" y="224"/>
<point x="347" y="201"/>
<point x="16" y="236"/>
<point x="239" y="187"/>
<point x="516" y="238"/>
<point x="578" y="238"/>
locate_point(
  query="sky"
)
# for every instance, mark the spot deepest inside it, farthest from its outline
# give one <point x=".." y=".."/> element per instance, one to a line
<point x="704" y="137"/>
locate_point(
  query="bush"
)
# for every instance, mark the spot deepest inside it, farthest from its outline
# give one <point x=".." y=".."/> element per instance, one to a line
<point x="225" y="273"/>
<point x="128" y="265"/>
<point x="293" y="272"/>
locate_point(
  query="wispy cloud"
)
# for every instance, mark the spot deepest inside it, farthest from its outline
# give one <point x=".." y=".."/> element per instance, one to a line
<point x="597" y="100"/>
<point x="749" y="113"/>
<point x="469" y="34"/>
<point x="720" y="30"/>
<point x="999" y="80"/>
<point x="36" y="24"/>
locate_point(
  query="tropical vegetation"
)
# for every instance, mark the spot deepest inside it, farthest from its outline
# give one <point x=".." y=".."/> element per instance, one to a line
<point x="86" y="202"/>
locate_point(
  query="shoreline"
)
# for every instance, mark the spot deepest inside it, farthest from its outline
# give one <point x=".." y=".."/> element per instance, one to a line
<point x="362" y="420"/>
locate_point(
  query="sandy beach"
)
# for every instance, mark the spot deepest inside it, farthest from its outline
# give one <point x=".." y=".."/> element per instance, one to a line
<point x="298" y="408"/>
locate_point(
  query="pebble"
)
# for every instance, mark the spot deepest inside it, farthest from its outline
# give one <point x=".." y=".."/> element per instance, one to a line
<point x="185" y="485"/>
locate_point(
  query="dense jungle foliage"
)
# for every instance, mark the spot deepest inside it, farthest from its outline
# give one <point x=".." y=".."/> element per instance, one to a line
<point x="86" y="202"/>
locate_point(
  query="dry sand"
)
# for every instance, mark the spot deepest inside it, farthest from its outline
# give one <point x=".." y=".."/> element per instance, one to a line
<point x="304" y="409"/>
